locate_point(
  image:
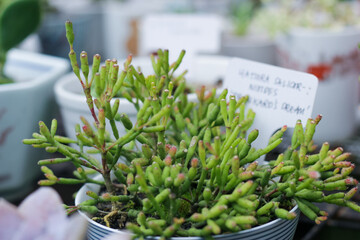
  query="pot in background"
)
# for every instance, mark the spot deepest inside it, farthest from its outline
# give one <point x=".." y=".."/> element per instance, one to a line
<point x="121" y="19"/>
<point x="87" y="19"/>
<point x="259" y="49"/>
<point x="22" y="104"/>
<point x="332" y="56"/>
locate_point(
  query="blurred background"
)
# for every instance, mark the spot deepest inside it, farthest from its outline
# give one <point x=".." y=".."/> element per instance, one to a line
<point x="319" y="37"/>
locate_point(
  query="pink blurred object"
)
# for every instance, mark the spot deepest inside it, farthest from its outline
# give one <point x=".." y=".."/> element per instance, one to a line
<point x="40" y="216"/>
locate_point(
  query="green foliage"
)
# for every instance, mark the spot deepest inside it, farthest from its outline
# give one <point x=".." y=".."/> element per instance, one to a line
<point x="242" y="15"/>
<point x="18" y="19"/>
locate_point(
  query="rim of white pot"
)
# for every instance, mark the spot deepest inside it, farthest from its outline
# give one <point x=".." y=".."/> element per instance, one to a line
<point x="230" y="39"/>
<point x="68" y="91"/>
<point x="324" y="32"/>
<point x="82" y="192"/>
<point x="66" y="96"/>
<point x="56" y="67"/>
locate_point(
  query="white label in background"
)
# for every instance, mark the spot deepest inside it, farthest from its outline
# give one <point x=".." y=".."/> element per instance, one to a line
<point x="193" y="32"/>
<point x="278" y="96"/>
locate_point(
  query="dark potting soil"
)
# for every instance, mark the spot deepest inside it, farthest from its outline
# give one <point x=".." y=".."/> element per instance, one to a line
<point x="118" y="220"/>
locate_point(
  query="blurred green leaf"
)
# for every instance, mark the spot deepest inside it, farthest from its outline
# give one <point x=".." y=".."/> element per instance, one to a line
<point x="18" y="19"/>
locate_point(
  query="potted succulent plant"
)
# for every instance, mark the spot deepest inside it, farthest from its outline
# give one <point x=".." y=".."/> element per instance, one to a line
<point x="186" y="168"/>
<point x="29" y="79"/>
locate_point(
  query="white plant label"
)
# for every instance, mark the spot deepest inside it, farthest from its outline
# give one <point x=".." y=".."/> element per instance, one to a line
<point x="192" y="32"/>
<point x="278" y="96"/>
<point x="195" y="33"/>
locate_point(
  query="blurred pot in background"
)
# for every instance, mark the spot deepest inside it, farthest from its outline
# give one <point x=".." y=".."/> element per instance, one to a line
<point x="243" y="38"/>
<point x="26" y="92"/>
<point x="86" y="15"/>
<point x="333" y="57"/>
<point x="21" y="102"/>
<point x="121" y="23"/>
<point x="323" y="40"/>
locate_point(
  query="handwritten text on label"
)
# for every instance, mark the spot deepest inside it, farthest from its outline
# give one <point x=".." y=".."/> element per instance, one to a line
<point x="264" y="84"/>
<point x="278" y="96"/>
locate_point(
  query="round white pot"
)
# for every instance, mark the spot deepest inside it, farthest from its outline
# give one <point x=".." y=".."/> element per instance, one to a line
<point x="22" y="105"/>
<point x="204" y="70"/>
<point x="332" y="56"/>
<point x="278" y="229"/>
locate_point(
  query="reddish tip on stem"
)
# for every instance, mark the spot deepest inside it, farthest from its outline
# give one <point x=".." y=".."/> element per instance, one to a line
<point x="86" y="129"/>
<point x="179" y="220"/>
<point x="323" y="213"/>
<point x="351" y="181"/>
<point x="181" y="176"/>
<point x="320" y="219"/>
<point x="314" y="174"/>
<point x="106" y="196"/>
<point x="194" y="162"/>
<point x="318" y="118"/>
<point x="168" y="160"/>
<point x="172" y="151"/>
<point x="167" y="147"/>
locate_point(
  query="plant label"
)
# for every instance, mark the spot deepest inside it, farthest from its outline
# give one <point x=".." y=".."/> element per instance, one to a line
<point x="196" y="33"/>
<point x="278" y="96"/>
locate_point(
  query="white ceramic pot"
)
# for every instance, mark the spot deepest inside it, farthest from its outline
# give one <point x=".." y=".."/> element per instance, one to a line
<point x="252" y="48"/>
<point x="332" y="56"/>
<point x="204" y="70"/>
<point x="22" y="105"/>
<point x="278" y="229"/>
